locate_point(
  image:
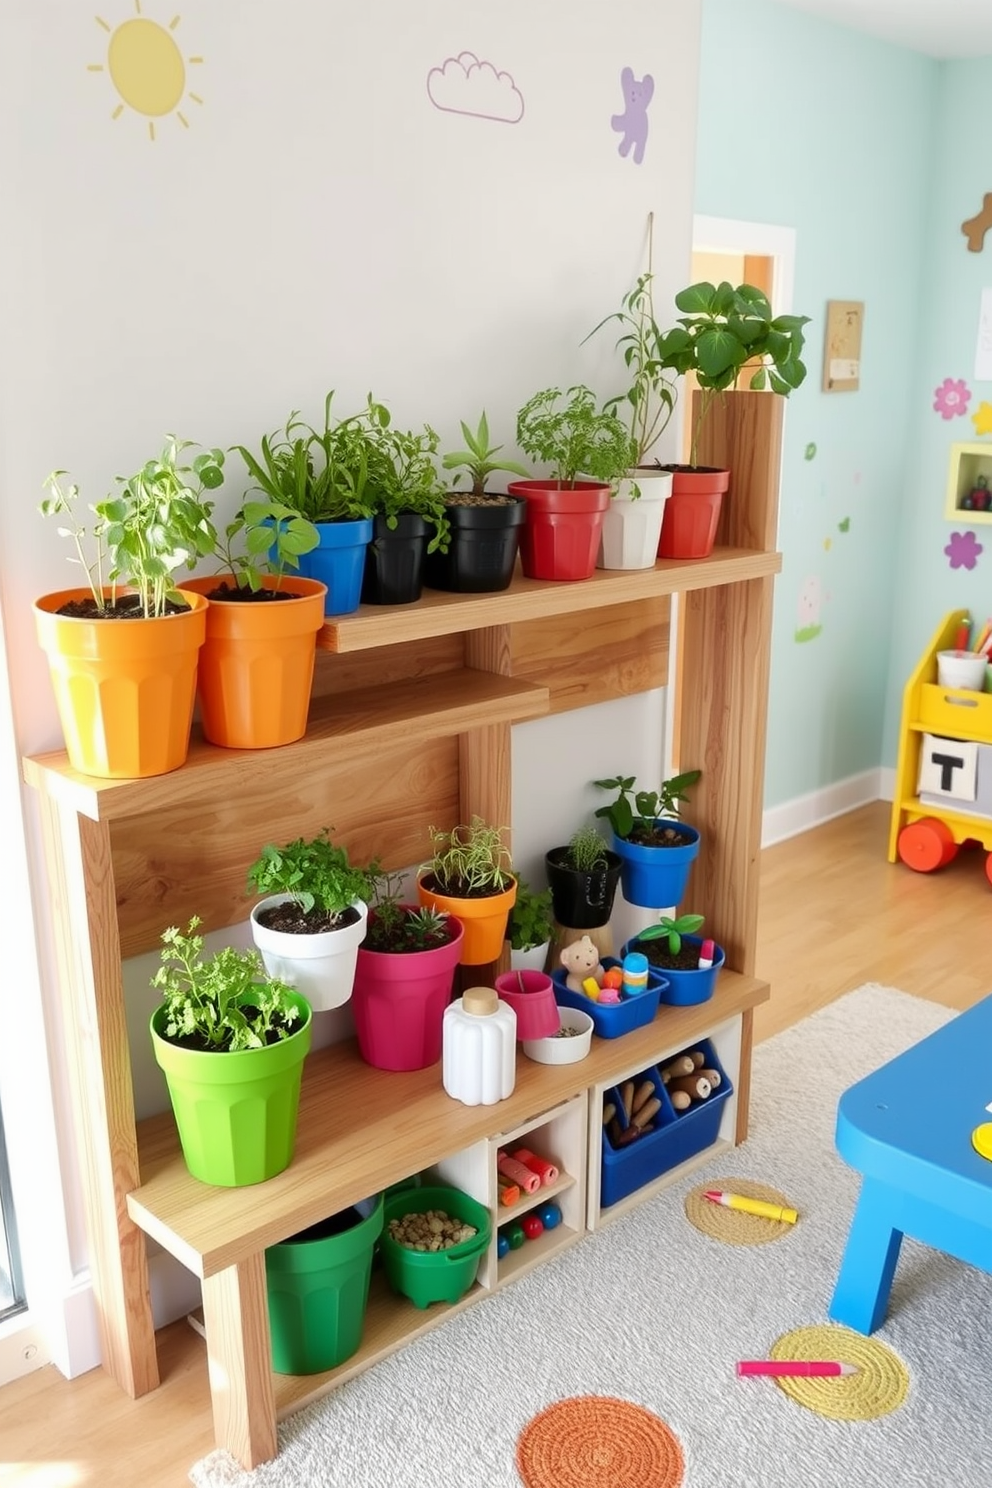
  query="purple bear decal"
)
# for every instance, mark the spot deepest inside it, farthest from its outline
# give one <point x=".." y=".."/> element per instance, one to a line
<point x="633" y="122"/>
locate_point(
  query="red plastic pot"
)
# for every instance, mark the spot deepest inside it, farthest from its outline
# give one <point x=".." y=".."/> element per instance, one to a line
<point x="561" y="536"/>
<point x="692" y="512"/>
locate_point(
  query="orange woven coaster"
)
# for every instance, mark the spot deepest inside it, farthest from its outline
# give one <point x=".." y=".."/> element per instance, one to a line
<point x="595" y="1441"/>
<point x="733" y="1226"/>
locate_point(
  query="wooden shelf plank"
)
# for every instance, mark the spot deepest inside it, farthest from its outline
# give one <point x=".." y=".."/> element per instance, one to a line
<point x="356" y="723"/>
<point x="437" y="613"/>
<point x="362" y="1129"/>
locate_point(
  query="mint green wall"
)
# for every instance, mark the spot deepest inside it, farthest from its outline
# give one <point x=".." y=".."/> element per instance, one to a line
<point x="948" y="310"/>
<point x="812" y="126"/>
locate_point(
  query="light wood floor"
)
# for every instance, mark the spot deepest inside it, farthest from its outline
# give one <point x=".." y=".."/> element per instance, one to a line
<point x="834" y="914"/>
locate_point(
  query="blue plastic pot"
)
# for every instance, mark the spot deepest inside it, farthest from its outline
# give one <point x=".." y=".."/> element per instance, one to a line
<point x="683" y="988"/>
<point x="655" y="877"/>
<point x="339" y="562"/>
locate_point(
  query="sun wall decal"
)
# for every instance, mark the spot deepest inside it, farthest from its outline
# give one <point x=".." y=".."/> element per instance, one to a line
<point x="147" y="68"/>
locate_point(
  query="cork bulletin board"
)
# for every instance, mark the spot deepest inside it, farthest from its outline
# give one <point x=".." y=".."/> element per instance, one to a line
<point x="842" y="346"/>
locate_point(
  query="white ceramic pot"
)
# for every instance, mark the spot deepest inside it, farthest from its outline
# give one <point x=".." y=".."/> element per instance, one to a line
<point x="321" y="967"/>
<point x="532" y="959"/>
<point x="632" y="525"/>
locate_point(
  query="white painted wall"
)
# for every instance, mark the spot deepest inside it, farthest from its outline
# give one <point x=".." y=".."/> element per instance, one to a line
<point x="319" y="224"/>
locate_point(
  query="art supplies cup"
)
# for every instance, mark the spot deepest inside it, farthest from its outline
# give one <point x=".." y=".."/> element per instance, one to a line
<point x="961" y="669"/>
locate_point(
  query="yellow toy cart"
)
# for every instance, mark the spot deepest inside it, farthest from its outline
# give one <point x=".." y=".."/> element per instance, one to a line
<point x="943" y="795"/>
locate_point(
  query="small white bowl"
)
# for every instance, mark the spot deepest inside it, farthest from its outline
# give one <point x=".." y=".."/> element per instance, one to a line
<point x="555" y="1050"/>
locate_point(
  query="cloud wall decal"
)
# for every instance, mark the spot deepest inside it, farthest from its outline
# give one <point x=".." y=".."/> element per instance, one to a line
<point x="467" y="85"/>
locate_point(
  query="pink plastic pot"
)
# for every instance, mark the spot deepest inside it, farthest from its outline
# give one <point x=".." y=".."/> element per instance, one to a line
<point x="398" y="1003"/>
<point x="561" y="536"/>
<point x="531" y="995"/>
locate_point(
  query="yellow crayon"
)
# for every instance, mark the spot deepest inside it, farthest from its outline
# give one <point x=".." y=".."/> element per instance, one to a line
<point x="752" y="1206"/>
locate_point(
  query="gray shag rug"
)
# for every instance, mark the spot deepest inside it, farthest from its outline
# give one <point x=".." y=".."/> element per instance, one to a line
<point x="653" y="1311"/>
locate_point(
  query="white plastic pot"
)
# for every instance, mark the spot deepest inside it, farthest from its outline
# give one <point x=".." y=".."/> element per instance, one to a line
<point x="321" y="967"/>
<point x="632" y="526"/>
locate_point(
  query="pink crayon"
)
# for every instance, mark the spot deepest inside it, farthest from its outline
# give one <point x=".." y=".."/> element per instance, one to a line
<point x="804" y="1368"/>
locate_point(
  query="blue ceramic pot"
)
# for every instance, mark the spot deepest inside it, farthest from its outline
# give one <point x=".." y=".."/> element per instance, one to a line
<point x="339" y="562"/>
<point x="684" y="988"/>
<point x="655" y="877"/>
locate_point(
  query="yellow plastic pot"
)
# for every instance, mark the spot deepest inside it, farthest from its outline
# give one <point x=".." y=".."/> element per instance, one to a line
<point x="256" y="666"/>
<point x="124" y="688"/>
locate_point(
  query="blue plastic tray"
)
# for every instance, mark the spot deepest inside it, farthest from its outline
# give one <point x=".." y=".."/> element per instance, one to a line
<point x="678" y="1136"/>
<point x="611" y="1019"/>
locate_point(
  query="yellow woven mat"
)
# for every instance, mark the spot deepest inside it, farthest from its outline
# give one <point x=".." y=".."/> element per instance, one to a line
<point x="731" y="1225"/>
<point x="878" y="1388"/>
<point x="595" y="1441"/>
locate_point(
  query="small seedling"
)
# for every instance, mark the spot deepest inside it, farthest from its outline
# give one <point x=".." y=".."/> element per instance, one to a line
<point x="673" y="930"/>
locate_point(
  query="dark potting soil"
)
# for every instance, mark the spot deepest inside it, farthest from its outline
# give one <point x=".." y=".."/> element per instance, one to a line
<point x="289" y="919"/>
<point x="126" y="607"/>
<point x="335" y="1224"/>
<point x="458" y="890"/>
<point x="487" y="498"/>
<point x="659" y="955"/>
<point x="246" y="595"/>
<point x="667" y="836"/>
<point x="194" y="1041"/>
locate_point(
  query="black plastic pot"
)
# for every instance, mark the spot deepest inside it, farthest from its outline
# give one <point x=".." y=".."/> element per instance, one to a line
<point x="394" y="561"/>
<point x="582" y="900"/>
<point x="483" y="548"/>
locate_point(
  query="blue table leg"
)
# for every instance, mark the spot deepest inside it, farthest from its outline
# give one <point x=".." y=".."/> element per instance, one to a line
<point x="861" y="1295"/>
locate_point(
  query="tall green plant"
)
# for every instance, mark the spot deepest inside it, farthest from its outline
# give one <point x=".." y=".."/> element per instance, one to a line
<point x="478" y="458"/>
<point x="649" y="401"/>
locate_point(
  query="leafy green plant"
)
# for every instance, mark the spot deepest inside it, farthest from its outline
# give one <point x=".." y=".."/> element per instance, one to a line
<point x="271" y="537"/>
<point x="574" y="436"/>
<point x="158" y="522"/>
<point x="478" y="458"/>
<point x="724" y="327"/>
<point x="471" y="860"/>
<point x="673" y="930"/>
<point x="316" y="873"/>
<point x="649" y="401"/>
<point x="633" y="808"/>
<point x="406" y="479"/>
<point x="586" y="850"/>
<point x="529" y="922"/>
<point x="222" y="1002"/>
<point x="400" y="928"/>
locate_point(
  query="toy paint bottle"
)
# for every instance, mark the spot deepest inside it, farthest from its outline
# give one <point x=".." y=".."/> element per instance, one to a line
<point x="635" y="973"/>
<point x="479" y="1048"/>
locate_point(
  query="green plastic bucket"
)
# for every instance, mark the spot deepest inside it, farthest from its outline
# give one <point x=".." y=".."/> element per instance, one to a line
<point x="236" y="1113"/>
<point x="318" y="1288"/>
<point x="438" y="1276"/>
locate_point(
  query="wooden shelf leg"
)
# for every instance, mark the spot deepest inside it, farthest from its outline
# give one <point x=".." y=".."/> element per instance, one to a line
<point x="239" y="1355"/>
<point x="81" y="884"/>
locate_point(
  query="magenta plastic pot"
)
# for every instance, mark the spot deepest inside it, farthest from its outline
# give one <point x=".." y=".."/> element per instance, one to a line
<point x="398" y="1003"/>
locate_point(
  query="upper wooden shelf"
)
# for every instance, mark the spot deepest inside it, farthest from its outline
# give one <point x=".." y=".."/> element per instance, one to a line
<point x="356" y="723"/>
<point x="361" y="1129"/>
<point x="437" y="613"/>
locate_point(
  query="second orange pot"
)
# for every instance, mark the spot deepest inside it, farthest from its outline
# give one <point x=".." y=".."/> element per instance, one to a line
<point x="256" y="665"/>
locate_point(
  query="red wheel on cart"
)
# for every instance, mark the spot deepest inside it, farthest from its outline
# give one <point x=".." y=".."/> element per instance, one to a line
<point x="926" y="845"/>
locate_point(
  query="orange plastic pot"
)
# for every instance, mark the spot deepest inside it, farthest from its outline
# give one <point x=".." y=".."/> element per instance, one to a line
<point x="692" y="512"/>
<point x="256" y="666"/>
<point x="124" y="689"/>
<point x="484" y="920"/>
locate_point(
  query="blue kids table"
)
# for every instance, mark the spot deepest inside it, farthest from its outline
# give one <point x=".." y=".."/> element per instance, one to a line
<point x="908" y="1129"/>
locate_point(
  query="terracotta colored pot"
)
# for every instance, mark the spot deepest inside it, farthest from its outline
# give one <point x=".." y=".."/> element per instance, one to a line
<point x="692" y="512"/>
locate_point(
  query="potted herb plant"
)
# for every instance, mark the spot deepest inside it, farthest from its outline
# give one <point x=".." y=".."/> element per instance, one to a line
<point x="588" y="450"/>
<point x="409" y="515"/>
<point x="256" y="666"/>
<point x="324" y="475"/>
<point x="125" y="692"/>
<point x="529" y="927"/>
<point x="632" y="524"/>
<point x="403" y="978"/>
<point x="656" y="849"/>
<point x="312" y="918"/>
<point x="583" y="876"/>
<point x="689" y="963"/>
<point x="485" y="525"/>
<point x="724" y="329"/>
<point x="231" y="1042"/>
<point x="470" y="876"/>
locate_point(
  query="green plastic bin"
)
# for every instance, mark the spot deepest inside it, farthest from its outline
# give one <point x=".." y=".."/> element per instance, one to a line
<point x="442" y="1275"/>
<point x="318" y="1288"/>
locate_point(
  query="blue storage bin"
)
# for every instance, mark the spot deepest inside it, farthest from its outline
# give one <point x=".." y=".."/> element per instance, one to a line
<point x="678" y="1135"/>
<point x="611" y="1019"/>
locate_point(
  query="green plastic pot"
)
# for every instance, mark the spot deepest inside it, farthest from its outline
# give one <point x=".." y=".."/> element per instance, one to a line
<point x="236" y="1113"/>
<point x="318" y="1289"/>
<point x="443" y="1275"/>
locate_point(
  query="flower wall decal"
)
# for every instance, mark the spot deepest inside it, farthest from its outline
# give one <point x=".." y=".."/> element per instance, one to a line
<point x="982" y="418"/>
<point x="963" y="549"/>
<point x="950" y="400"/>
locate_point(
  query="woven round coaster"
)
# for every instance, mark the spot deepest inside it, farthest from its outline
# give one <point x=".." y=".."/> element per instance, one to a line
<point x="731" y="1225"/>
<point x="595" y="1441"/>
<point x="878" y="1388"/>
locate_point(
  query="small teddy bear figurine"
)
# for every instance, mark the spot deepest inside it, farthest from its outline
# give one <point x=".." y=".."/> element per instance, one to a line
<point x="581" y="960"/>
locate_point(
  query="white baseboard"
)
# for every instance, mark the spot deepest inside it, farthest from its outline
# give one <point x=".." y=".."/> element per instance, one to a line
<point x="804" y="812"/>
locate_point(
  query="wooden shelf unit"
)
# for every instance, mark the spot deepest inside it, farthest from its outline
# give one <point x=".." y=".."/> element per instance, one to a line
<point x="410" y="725"/>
